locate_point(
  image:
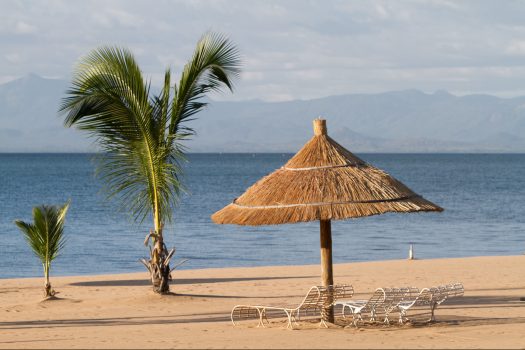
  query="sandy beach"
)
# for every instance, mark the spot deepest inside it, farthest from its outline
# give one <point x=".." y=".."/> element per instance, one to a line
<point x="121" y="311"/>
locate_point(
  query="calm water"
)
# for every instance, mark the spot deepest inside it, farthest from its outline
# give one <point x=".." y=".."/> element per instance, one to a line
<point x="484" y="198"/>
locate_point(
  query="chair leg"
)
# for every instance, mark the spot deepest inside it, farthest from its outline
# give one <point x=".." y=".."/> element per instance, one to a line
<point x="289" y="324"/>
<point x="266" y="318"/>
<point x="373" y="315"/>
<point x="357" y="319"/>
<point x="231" y="316"/>
<point x="343" y="311"/>
<point x="386" y="321"/>
<point x="402" y="314"/>
<point x="262" y="318"/>
<point x="294" y="318"/>
<point x="432" y="310"/>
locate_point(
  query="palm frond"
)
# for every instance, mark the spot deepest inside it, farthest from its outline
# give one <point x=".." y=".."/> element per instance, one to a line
<point x="110" y="99"/>
<point x="140" y="135"/>
<point x="46" y="234"/>
<point x="214" y="65"/>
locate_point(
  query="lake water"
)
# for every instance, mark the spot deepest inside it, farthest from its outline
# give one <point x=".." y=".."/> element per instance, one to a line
<point x="483" y="196"/>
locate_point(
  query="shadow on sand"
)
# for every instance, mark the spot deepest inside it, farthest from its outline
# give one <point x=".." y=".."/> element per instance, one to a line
<point x="118" y="321"/>
<point x="480" y="302"/>
<point x="224" y="317"/>
<point x="450" y="320"/>
<point x="177" y="281"/>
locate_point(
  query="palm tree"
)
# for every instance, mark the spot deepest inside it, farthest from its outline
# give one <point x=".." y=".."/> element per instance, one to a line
<point x="141" y="134"/>
<point x="46" y="237"/>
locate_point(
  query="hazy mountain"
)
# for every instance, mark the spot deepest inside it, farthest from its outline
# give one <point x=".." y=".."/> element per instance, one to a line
<point x="29" y="121"/>
<point x="398" y="121"/>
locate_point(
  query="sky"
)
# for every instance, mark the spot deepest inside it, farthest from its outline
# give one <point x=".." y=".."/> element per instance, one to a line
<point x="291" y="49"/>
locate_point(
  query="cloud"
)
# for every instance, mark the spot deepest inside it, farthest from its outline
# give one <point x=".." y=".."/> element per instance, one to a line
<point x="253" y="76"/>
<point x="22" y="27"/>
<point x="12" y="58"/>
<point x="516" y="47"/>
<point x="118" y="18"/>
<point x="292" y="49"/>
<point x="381" y="11"/>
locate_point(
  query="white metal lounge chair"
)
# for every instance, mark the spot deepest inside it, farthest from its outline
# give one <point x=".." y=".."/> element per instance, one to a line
<point x="361" y="306"/>
<point x="424" y="298"/>
<point x="316" y="302"/>
<point x="432" y="297"/>
<point x="443" y="293"/>
<point x="394" y="296"/>
<point x="383" y="302"/>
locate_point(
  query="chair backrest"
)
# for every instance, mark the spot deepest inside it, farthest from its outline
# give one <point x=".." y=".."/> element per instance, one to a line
<point x="413" y="292"/>
<point x="425" y="296"/>
<point x="311" y="300"/>
<point x="392" y="297"/>
<point x="439" y="294"/>
<point x="330" y="294"/>
<point x="455" y="290"/>
<point x="342" y="291"/>
<point x="322" y="298"/>
<point x="444" y="292"/>
<point x="391" y="294"/>
<point x="376" y="299"/>
<point x="403" y="293"/>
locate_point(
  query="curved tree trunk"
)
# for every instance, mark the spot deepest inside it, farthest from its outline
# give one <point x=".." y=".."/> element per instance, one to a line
<point x="159" y="263"/>
<point x="160" y="268"/>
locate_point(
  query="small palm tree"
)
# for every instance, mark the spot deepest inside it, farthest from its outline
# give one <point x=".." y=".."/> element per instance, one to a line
<point x="46" y="237"/>
<point x="140" y="133"/>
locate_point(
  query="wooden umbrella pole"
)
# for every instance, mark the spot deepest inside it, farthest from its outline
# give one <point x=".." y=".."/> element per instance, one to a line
<point x="326" y="253"/>
<point x="327" y="275"/>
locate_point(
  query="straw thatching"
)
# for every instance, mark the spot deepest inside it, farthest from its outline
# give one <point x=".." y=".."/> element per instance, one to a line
<point x="323" y="181"/>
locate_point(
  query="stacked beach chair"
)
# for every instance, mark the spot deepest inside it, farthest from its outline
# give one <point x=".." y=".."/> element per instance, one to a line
<point x="320" y="301"/>
<point x="384" y="301"/>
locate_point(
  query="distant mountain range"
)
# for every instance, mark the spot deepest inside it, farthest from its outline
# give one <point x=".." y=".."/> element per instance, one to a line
<point x="397" y="121"/>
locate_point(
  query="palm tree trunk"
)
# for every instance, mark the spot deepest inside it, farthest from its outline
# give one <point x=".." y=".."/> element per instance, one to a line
<point x="163" y="268"/>
<point x="48" y="291"/>
<point x="159" y="265"/>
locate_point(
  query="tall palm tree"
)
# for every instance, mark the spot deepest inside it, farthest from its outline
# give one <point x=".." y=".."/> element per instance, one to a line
<point x="46" y="237"/>
<point x="141" y="134"/>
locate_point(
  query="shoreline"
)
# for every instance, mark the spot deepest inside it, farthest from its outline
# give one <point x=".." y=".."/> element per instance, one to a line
<point x="121" y="310"/>
<point x="116" y="274"/>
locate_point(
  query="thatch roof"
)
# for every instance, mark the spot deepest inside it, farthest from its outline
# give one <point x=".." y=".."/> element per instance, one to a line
<point x="323" y="181"/>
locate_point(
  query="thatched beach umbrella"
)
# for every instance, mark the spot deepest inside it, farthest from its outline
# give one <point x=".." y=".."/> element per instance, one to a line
<point x="324" y="182"/>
